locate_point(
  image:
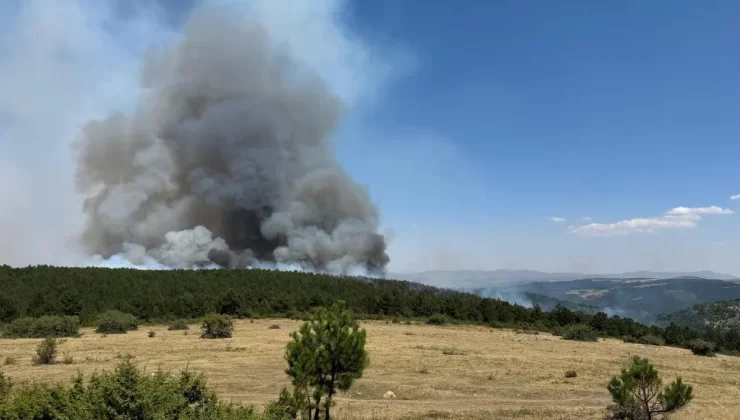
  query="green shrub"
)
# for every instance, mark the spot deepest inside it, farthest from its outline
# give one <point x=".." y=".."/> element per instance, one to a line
<point x="285" y="408"/>
<point x="651" y="340"/>
<point x="294" y="314"/>
<point x="580" y="332"/>
<point x="701" y="348"/>
<point x="629" y="339"/>
<point x="217" y="326"/>
<point x="45" y="326"/>
<point x="178" y="325"/>
<point x="125" y="393"/>
<point x="5" y="386"/>
<point x="116" y="322"/>
<point x="46" y="352"/>
<point x="638" y="393"/>
<point x="437" y="319"/>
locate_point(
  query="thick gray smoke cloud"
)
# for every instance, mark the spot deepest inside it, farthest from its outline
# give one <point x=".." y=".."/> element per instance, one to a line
<point x="227" y="158"/>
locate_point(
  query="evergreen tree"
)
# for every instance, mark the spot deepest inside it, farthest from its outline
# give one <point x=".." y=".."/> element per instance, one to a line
<point x="637" y="393"/>
<point x="8" y="310"/>
<point x="70" y="303"/>
<point x="326" y="354"/>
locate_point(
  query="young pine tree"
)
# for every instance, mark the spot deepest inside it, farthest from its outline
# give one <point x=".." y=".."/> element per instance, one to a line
<point x="326" y="354"/>
<point x="638" y="395"/>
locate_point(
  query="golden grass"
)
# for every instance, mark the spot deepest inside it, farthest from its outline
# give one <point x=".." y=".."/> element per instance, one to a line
<point x="450" y="372"/>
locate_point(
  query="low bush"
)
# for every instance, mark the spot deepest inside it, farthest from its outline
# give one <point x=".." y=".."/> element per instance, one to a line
<point x="294" y="314"/>
<point x="437" y="319"/>
<point x="46" y="352"/>
<point x="287" y="407"/>
<point x="571" y="374"/>
<point x="701" y="348"/>
<point x="557" y="331"/>
<point x="217" y="326"/>
<point x="178" y="325"/>
<point x="580" y="332"/>
<point x="5" y="386"/>
<point x="116" y="322"/>
<point x="651" y="340"/>
<point x="151" y="334"/>
<point x="45" y="326"/>
<point x="126" y="393"/>
<point x="10" y="360"/>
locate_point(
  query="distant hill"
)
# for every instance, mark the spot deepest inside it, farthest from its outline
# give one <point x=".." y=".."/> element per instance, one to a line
<point x="642" y="299"/>
<point x="461" y="279"/>
<point x="723" y="314"/>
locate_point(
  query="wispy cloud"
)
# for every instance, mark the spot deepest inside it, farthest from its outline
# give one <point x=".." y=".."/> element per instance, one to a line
<point x="558" y="219"/>
<point x="586" y="219"/>
<point x="735" y="197"/>
<point x="676" y="218"/>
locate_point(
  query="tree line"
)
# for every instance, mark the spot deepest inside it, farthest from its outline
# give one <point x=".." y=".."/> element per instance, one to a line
<point x="162" y="296"/>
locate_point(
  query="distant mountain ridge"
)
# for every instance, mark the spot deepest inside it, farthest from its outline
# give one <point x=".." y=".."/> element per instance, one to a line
<point x="487" y="278"/>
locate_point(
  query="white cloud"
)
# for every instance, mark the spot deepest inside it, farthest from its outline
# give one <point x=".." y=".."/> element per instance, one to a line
<point x="558" y="219"/>
<point x="586" y="219"/>
<point x="676" y="218"/>
<point x="735" y="197"/>
<point x="696" y="211"/>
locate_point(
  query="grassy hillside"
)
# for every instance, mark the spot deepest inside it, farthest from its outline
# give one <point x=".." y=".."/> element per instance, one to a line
<point x="450" y="372"/>
<point x="721" y="315"/>
<point x="641" y="299"/>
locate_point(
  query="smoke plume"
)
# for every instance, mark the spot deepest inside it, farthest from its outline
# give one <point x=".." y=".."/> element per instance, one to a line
<point x="226" y="159"/>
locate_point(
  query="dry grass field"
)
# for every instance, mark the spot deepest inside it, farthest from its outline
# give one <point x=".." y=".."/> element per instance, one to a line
<point x="450" y="372"/>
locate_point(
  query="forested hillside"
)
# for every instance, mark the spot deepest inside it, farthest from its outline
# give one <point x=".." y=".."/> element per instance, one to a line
<point x="154" y="296"/>
<point x="642" y="299"/>
<point x="722" y="315"/>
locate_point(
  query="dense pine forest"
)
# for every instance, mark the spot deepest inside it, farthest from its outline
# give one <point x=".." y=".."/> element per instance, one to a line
<point x="724" y="314"/>
<point x="159" y="296"/>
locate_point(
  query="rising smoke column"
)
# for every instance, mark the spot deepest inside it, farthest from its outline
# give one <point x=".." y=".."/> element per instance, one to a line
<point x="226" y="158"/>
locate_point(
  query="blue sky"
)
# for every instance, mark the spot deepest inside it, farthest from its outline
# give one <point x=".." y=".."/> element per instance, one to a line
<point x="472" y="124"/>
<point x="611" y="111"/>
